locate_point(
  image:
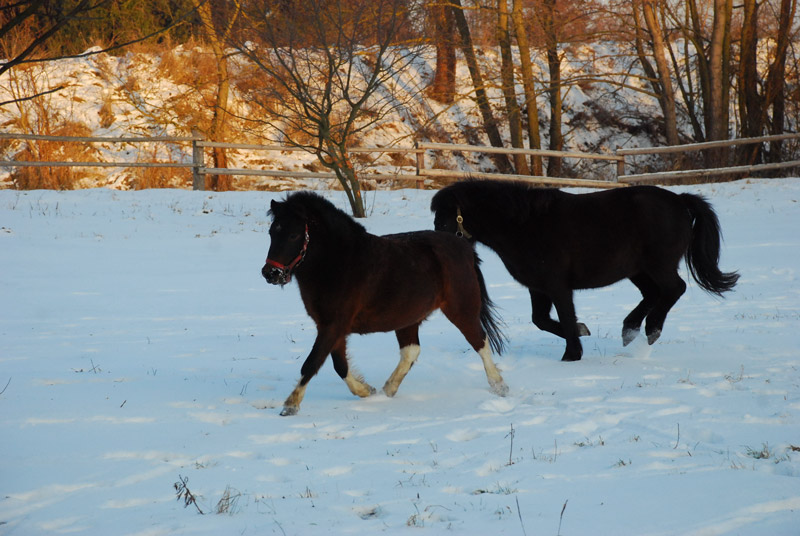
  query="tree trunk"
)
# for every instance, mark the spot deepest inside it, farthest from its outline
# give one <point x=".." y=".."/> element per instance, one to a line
<point x="341" y="164"/>
<point x="554" y="89"/>
<point x="219" y="119"/>
<point x="509" y="91"/>
<point x="719" y="81"/>
<point x="666" y="94"/>
<point x="694" y="35"/>
<point x="443" y="87"/>
<point x="749" y="100"/>
<point x="489" y="122"/>
<point x="526" y="66"/>
<point x="776" y="77"/>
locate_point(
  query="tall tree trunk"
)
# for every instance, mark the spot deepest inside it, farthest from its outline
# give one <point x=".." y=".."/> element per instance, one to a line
<point x="776" y="77"/>
<point x="666" y="94"/>
<point x="719" y="80"/>
<point x="694" y="35"/>
<point x="750" y="115"/>
<point x="554" y="90"/>
<point x="489" y="122"/>
<point x="526" y="66"/>
<point x="219" y="118"/>
<point x="443" y="87"/>
<point x="509" y="84"/>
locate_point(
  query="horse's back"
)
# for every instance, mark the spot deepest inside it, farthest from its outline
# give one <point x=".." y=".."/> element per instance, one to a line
<point x="605" y="236"/>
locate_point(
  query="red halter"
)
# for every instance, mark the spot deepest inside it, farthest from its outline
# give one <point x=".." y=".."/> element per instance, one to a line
<point x="287" y="268"/>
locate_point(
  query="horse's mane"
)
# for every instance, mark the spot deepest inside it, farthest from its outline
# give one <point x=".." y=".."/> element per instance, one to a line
<point x="516" y="201"/>
<point x="314" y="207"/>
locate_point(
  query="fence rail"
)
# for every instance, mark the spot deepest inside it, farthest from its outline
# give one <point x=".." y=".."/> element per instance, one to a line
<point x="199" y="169"/>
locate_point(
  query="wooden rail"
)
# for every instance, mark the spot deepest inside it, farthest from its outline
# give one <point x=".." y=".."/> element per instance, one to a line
<point x="199" y="169"/>
<point x="544" y="181"/>
<point x="703" y="173"/>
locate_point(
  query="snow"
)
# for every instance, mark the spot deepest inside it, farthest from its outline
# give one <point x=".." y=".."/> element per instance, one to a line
<point x="139" y="347"/>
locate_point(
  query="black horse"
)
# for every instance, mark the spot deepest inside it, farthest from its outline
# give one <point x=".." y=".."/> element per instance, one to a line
<point x="354" y="282"/>
<point x="554" y="242"/>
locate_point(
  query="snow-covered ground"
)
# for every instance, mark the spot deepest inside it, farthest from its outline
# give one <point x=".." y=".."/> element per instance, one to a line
<point x="140" y="348"/>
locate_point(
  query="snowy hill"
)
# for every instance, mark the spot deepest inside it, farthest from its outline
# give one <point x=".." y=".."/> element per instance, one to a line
<point x="140" y="94"/>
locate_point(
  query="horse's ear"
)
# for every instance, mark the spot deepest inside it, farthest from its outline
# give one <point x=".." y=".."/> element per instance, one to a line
<point x="274" y="206"/>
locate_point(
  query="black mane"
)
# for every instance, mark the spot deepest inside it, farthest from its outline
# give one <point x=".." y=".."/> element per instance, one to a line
<point x="317" y="209"/>
<point x="516" y="201"/>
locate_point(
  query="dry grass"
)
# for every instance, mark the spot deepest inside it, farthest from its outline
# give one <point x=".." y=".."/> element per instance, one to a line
<point x="56" y="178"/>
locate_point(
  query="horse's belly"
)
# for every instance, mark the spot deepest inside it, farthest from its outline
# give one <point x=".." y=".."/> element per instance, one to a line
<point x="390" y="320"/>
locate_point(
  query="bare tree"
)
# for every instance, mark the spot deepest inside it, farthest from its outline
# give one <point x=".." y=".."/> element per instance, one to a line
<point x="775" y="87"/>
<point x="526" y="68"/>
<point x="482" y="100"/>
<point x="216" y="35"/>
<point x="329" y="67"/>
<point x="663" y="84"/>
<point x="548" y="17"/>
<point x="443" y="86"/>
<point x="508" y="84"/>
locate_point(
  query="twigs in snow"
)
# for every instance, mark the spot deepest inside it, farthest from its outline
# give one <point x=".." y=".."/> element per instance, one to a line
<point x="561" y="517"/>
<point x="519" y="513"/>
<point x="511" y="448"/>
<point x="6" y="387"/>
<point x="184" y="493"/>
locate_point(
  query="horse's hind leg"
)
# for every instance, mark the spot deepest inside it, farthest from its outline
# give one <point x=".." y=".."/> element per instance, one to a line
<point x="408" y="339"/>
<point x="633" y="322"/>
<point x="470" y="327"/>
<point x="671" y="288"/>
<point x="569" y="325"/>
<point x="541" y="304"/>
<point x="355" y="382"/>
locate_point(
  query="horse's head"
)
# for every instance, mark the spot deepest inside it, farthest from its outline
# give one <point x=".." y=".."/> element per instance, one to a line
<point x="288" y="243"/>
<point x="448" y="217"/>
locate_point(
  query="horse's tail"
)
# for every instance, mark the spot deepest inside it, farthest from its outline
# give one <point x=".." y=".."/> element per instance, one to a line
<point x="489" y="320"/>
<point x="702" y="256"/>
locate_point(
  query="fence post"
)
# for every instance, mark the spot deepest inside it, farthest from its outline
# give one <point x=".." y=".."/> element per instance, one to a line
<point x="420" y="164"/>
<point x="620" y="166"/>
<point x="198" y="162"/>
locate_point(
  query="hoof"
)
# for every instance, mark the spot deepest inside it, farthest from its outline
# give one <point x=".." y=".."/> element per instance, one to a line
<point x="389" y="392"/>
<point x="289" y="410"/>
<point x="571" y="358"/>
<point x="628" y="335"/>
<point x="583" y="331"/>
<point x="653" y="337"/>
<point x="500" y="389"/>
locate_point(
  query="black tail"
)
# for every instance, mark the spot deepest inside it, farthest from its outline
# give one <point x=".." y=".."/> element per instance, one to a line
<point x="702" y="257"/>
<point x="489" y="320"/>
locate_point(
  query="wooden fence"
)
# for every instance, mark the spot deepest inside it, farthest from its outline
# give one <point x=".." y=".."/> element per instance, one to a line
<point x="703" y="173"/>
<point x="199" y="169"/>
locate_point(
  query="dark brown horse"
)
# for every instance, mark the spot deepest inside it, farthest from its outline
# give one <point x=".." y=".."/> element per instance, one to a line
<point x="354" y="282"/>
<point x="554" y="242"/>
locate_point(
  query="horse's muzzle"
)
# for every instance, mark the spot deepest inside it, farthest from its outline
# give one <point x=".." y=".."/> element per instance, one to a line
<point x="275" y="275"/>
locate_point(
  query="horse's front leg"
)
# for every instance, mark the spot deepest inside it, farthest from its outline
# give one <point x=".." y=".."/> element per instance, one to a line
<point x="355" y="381"/>
<point x="540" y="307"/>
<point x="326" y="338"/>
<point x="569" y="325"/>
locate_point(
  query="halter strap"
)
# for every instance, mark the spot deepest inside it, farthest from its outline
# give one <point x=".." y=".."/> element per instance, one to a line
<point x="287" y="268"/>
<point x="460" y="221"/>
